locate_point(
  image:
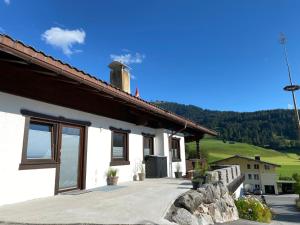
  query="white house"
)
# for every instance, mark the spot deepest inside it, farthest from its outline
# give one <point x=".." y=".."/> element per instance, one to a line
<point x="61" y="128"/>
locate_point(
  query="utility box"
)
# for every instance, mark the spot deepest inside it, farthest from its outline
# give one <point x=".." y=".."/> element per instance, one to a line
<point x="156" y="166"/>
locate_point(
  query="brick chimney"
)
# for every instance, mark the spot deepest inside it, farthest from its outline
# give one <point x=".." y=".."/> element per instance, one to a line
<point x="257" y="158"/>
<point x="120" y="76"/>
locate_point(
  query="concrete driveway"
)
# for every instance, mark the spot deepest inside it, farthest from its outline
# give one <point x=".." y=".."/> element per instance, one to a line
<point x="128" y="203"/>
<point x="284" y="209"/>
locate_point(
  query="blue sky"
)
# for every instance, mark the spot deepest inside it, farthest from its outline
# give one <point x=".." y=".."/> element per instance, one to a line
<point x="215" y="54"/>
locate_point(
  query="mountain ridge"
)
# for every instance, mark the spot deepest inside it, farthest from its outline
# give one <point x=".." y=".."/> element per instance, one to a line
<point x="275" y="128"/>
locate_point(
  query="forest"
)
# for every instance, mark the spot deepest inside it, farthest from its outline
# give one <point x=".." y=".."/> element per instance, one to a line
<point x="275" y="129"/>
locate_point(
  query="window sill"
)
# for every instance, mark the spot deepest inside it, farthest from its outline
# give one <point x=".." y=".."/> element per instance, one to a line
<point x="30" y="166"/>
<point x="176" y="160"/>
<point x="119" y="163"/>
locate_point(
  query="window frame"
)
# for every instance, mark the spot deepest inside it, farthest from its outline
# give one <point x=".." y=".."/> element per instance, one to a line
<point x="151" y="137"/>
<point x="38" y="163"/>
<point x="125" y="160"/>
<point x="256" y="166"/>
<point x="267" y="167"/>
<point x="178" y="150"/>
<point x="249" y="176"/>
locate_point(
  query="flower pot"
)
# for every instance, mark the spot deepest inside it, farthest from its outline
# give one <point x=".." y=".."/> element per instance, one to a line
<point x="112" y="180"/>
<point x="178" y="174"/>
<point x="135" y="177"/>
<point x="198" y="181"/>
<point x="196" y="185"/>
<point x="141" y="176"/>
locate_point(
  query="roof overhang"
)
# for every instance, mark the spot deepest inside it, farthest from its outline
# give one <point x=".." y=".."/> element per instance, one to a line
<point x="32" y="74"/>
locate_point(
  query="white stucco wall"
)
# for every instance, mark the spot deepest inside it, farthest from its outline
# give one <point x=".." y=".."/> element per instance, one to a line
<point x="20" y="185"/>
<point x="269" y="179"/>
<point x="239" y="191"/>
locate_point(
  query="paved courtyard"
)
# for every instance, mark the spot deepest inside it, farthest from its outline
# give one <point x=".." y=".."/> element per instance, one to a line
<point x="129" y="203"/>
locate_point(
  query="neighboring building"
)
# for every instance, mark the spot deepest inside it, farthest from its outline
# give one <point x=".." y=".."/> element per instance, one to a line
<point x="259" y="175"/>
<point x="61" y="128"/>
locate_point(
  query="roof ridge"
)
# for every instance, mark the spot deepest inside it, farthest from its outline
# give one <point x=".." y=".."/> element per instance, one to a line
<point x="245" y="157"/>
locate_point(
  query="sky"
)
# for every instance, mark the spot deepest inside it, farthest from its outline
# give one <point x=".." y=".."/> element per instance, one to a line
<point x="215" y="54"/>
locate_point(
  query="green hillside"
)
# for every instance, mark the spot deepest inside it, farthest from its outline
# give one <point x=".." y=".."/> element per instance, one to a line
<point x="216" y="149"/>
<point x="274" y="128"/>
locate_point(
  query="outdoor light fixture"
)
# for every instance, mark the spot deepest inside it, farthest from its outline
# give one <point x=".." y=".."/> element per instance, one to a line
<point x="292" y="87"/>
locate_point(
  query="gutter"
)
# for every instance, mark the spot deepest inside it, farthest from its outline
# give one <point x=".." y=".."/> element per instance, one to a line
<point x="28" y="53"/>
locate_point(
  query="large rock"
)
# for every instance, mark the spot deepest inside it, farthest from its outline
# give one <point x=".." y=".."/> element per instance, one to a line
<point x="184" y="217"/>
<point x="190" y="200"/>
<point x="208" y="205"/>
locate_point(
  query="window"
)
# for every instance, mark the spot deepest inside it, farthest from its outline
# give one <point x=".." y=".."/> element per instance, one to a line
<point x="119" y="146"/>
<point x="119" y="151"/>
<point x="175" y="148"/>
<point x="250" y="176"/>
<point x="148" y="146"/>
<point x="39" y="144"/>
<point x="248" y="166"/>
<point x="256" y="177"/>
<point x="40" y="141"/>
<point x="267" y="167"/>
<point x="256" y="166"/>
<point x="257" y="186"/>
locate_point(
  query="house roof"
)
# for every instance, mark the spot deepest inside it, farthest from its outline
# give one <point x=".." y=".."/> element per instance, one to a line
<point x="32" y="56"/>
<point x="247" y="158"/>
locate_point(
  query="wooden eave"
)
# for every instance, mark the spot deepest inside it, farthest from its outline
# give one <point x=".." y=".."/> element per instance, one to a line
<point x="29" y="73"/>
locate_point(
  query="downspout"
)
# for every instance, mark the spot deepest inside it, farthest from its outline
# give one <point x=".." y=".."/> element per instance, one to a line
<point x="176" y="132"/>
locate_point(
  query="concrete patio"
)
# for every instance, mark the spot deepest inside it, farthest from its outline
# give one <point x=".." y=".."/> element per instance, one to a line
<point x="129" y="203"/>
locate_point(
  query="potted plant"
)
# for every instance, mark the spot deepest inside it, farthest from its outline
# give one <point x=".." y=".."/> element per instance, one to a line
<point x="135" y="172"/>
<point x="178" y="173"/>
<point x="142" y="172"/>
<point x="111" y="176"/>
<point x="199" y="176"/>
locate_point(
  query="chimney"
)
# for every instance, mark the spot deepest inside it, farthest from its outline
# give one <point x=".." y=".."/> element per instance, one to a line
<point x="257" y="158"/>
<point x="137" y="93"/>
<point x="120" y="76"/>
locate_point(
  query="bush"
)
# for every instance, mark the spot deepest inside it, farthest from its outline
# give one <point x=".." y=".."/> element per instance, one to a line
<point x="296" y="177"/>
<point x="250" y="208"/>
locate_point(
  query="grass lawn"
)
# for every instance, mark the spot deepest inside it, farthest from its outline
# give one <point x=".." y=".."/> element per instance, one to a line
<point x="216" y="149"/>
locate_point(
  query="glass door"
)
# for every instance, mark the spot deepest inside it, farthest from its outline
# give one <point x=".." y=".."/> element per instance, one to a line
<point x="70" y="157"/>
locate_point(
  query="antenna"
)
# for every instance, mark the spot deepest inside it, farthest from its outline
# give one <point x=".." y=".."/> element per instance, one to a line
<point x="291" y="88"/>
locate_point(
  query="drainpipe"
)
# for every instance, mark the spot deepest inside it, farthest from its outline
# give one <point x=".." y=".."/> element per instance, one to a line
<point x="176" y="132"/>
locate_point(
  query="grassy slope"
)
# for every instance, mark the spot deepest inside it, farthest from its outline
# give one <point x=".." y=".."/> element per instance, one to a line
<point x="216" y="149"/>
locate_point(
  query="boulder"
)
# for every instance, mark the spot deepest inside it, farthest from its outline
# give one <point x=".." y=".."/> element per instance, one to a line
<point x="208" y="205"/>
<point x="189" y="201"/>
<point x="184" y="217"/>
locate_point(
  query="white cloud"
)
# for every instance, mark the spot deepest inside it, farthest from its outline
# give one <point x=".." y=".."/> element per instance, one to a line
<point x="2" y="30"/>
<point x="132" y="77"/>
<point x="64" y="39"/>
<point x="128" y="58"/>
<point x="7" y="2"/>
